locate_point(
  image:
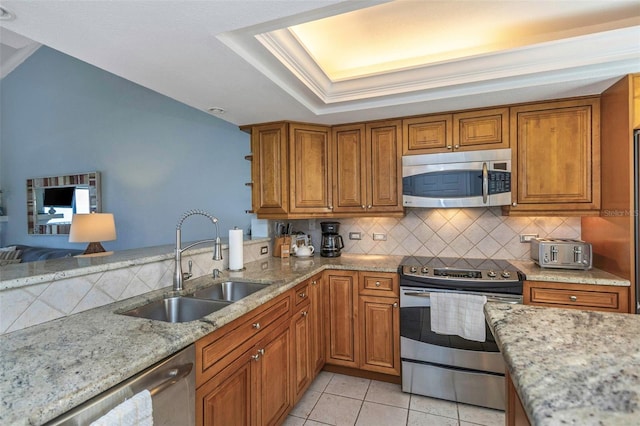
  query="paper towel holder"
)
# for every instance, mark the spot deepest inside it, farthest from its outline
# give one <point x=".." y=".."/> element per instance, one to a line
<point x="243" y="267"/>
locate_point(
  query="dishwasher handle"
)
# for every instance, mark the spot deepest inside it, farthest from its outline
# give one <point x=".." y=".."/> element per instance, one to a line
<point x="174" y="376"/>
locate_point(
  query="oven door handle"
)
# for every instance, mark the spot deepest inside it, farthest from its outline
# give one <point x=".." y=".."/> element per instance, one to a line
<point x="512" y="300"/>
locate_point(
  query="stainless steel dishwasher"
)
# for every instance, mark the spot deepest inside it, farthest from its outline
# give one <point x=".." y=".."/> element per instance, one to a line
<point x="172" y="386"/>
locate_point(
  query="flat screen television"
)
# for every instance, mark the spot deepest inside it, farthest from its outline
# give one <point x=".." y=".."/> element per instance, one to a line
<point x="59" y="197"/>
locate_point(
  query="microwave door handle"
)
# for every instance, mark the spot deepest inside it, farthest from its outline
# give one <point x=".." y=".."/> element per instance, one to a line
<point x="485" y="183"/>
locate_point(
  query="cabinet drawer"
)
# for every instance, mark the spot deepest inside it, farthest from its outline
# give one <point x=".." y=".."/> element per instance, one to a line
<point x="380" y="284"/>
<point x="599" y="298"/>
<point x="301" y="294"/>
<point x="235" y="337"/>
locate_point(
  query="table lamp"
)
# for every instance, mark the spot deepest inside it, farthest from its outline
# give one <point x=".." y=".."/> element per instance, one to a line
<point x="93" y="228"/>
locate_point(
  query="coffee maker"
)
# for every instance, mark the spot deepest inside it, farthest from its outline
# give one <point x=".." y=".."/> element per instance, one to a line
<point x="331" y="241"/>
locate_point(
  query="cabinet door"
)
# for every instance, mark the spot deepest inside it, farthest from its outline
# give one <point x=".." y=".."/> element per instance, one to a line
<point x="483" y="129"/>
<point x="349" y="169"/>
<point x="310" y="169"/>
<point x="273" y="375"/>
<point x="384" y="189"/>
<point x="225" y="400"/>
<point x="270" y="189"/>
<point x="427" y="135"/>
<point x="316" y="338"/>
<point x="557" y="153"/>
<point x="341" y="318"/>
<point x="380" y="334"/>
<point x="301" y="362"/>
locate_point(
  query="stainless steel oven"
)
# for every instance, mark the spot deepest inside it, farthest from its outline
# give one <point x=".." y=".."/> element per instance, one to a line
<point x="449" y="366"/>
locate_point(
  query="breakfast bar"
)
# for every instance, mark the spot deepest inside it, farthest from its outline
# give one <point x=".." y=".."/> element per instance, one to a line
<point x="571" y="366"/>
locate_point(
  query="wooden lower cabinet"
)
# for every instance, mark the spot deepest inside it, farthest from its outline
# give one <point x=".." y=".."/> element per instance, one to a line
<point x="316" y="319"/>
<point x="363" y="320"/>
<point x="301" y="358"/>
<point x="379" y="334"/>
<point x="515" y="414"/>
<point x="577" y="296"/>
<point x="342" y="318"/>
<point x="254" y="389"/>
<point x="226" y="398"/>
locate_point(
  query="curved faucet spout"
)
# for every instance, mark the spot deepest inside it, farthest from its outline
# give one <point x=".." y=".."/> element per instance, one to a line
<point x="178" y="276"/>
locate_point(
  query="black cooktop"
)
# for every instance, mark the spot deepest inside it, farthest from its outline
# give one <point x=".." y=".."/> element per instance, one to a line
<point x="461" y="274"/>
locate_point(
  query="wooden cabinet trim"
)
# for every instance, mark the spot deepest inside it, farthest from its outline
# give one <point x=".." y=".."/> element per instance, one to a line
<point x="427" y="134"/>
<point x="481" y="129"/>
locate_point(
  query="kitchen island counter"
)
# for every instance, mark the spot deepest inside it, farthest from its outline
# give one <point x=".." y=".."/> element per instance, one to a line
<point x="571" y="366"/>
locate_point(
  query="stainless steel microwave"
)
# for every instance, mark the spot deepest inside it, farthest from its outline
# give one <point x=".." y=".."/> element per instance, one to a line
<point x="457" y="179"/>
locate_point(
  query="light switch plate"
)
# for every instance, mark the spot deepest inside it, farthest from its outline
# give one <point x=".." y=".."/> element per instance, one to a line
<point x="379" y="237"/>
<point x="264" y="249"/>
<point x="355" y="236"/>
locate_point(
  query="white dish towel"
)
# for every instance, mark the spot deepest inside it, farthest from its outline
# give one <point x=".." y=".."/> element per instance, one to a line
<point x="135" y="411"/>
<point x="458" y="314"/>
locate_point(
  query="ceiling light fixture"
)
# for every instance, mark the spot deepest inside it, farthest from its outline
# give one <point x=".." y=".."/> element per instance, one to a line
<point x="217" y="110"/>
<point x="6" y="15"/>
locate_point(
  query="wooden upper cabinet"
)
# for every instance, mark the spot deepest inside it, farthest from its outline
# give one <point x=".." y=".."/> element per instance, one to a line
<point x="557" y="153"/>
<point x="310" y="169"/>
<point x="384" y="174"/>
<point x="349" y="169"/>
<point x="270" y="189"/>
<point x="367" y="168"/>
<point x="423" y="135"/>
<point x="483" y="129"/>
<point x="464" y="131"/>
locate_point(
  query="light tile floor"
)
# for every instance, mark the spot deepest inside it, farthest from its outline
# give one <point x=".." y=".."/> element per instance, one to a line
<point x="335" y="399"/>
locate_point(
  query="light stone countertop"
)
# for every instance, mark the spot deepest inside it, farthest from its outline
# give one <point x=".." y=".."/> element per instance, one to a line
<point x="593" y="276"/>
<point x="50" y="368"/>
<point x="570" y="366"/>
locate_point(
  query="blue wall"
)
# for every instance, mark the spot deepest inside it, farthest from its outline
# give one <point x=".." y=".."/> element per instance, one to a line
<point x="158" y="157"/>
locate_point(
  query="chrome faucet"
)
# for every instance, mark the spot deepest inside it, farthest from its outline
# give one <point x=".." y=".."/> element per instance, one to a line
<point x="178" y="276"/>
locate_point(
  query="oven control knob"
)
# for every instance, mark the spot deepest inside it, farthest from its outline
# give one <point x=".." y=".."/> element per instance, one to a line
<point x="425" y="270"/>
<point x="491" y="274"/>
<point x="506" y="274"/>
<point x="413" y="269"/>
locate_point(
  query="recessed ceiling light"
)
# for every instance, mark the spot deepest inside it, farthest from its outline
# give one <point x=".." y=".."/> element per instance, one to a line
<point x="216" y="110"/>
<point x="6" y="15"/>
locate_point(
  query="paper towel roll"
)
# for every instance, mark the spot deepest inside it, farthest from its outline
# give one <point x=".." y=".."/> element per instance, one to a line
<point x="236" y="248"/>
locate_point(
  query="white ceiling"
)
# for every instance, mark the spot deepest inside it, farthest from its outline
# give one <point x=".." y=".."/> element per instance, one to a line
<point x="243" y="56"/>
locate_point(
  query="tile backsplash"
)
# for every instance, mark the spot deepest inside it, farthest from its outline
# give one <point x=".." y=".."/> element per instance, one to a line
<point x="473" y="233"/>
<point x="34" y="304"/>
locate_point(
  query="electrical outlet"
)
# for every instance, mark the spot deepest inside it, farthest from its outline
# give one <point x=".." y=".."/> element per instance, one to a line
<point x="355" y="236"/>
<point x="264" y="249"/>
<point x="379" y="237"/>
<point x="525" y="238"/>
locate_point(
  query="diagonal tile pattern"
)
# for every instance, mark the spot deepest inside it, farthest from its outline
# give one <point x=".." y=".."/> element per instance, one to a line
<point x="335" y="399"/>
<point x="473" y="233"/>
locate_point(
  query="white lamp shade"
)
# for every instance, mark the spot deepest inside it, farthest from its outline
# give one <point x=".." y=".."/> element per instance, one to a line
<point x="92" y="227"/>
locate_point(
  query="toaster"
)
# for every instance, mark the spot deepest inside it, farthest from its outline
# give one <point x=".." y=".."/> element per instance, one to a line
<point x="561" y="253"/>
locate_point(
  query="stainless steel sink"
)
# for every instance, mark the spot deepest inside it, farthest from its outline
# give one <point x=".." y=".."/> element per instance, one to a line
<point x="177" y="309"/>
<point x="230" y="290"/>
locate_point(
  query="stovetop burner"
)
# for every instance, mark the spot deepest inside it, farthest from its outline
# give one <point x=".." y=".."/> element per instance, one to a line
<point x="462" y="274"/>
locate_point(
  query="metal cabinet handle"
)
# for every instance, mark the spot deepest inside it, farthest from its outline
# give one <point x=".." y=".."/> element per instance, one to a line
<point x="369" y="206"/>
<point x="395" y="305"/>
<point x="377" y="283"/>
<point x="304" y="313"/>
<point x="573" y="298"/>
<point x="314" y="282"/>
<point x="302" y="295"/>
<point x="449" y="147"/>
<point x="256" y="325"/>
<point x="364" y="207"/>
<point x="258" y="354"/>
<point x="514" y="204"/>
<point x="330" y="207"/>
<point x="457" y="146"/>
